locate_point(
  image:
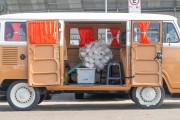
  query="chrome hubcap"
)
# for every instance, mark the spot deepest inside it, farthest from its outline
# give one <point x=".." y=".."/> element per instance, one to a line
<point x="23" y="95"/>
<point x="148" y="94"/>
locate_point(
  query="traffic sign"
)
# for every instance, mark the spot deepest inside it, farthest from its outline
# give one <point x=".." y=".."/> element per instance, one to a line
<point x="134" y="6"/>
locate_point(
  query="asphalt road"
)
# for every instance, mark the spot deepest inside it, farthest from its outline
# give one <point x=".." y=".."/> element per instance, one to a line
<point x="93" y="107"/>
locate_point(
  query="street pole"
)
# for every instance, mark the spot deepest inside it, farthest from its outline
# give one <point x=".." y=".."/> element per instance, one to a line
<point x="106" y="29"/>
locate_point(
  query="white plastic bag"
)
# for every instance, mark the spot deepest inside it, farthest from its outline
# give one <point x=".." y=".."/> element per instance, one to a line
<point x="83" y="54"/>
<point x="95" y="55"/>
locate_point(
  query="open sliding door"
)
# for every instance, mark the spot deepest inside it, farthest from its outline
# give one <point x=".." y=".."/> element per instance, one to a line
<point x="43" y="53"/>
<point x="146" y="53"/>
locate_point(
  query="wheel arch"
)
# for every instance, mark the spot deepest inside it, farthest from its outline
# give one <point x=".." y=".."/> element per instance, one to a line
<point x="166" y="84"/>
<point x="7" y="82"/>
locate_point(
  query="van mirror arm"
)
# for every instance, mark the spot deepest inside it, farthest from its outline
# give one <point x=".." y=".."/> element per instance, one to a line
<point x="168" y="39"/>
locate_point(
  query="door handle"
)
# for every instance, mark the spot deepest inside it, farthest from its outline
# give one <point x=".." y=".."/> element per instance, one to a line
<point x="158" y="56"/>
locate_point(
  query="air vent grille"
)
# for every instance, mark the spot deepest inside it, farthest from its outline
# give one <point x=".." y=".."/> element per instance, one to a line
<point x="9" y="56"/>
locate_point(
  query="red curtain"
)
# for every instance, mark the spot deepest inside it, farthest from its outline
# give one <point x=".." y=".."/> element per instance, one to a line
<point x="42" y="32"/>
<point x="143" y="25"/>
<point x="16" y="27"/>
<point x="114" y="32"/>
<point x="86" y="36"/>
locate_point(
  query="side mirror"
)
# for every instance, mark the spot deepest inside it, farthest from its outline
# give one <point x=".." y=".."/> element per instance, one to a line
<point x="168" y="39"/>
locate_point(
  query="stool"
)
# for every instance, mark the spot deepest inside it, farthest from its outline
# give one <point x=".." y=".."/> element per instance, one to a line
<point x="101" y="76"/>
<point x="109" y="72"/>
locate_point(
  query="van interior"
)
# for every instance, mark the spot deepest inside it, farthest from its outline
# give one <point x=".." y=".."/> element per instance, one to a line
<point x="101" y="31"/>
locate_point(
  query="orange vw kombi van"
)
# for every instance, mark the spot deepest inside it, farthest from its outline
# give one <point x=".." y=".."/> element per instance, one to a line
<point x="40" y="55"/>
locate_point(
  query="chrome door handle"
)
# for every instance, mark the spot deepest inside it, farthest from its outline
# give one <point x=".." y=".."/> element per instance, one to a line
<point x="159" y="56"/>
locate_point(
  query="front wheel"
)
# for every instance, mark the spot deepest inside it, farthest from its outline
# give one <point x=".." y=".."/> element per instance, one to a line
<point x="148" y="97"/>
<point x="22" y="97"/>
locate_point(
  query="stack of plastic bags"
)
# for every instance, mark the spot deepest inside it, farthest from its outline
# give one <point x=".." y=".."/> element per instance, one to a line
<point x="95" y="55"/>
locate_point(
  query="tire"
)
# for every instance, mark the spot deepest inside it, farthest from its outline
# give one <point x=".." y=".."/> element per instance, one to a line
<point x="79" y="95"/>
<point x="130" y="96"/>
<point x="21" y="97"/>
<point x="148" y="97"/>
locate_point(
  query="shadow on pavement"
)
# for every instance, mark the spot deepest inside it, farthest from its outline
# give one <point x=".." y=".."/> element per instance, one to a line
<point x="67" y="102"/>
<point x="90" y="106"/>
<point x="2" y="98"/>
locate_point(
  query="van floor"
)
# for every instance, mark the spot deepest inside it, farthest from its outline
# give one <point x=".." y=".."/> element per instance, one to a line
<point x="113" y="82"/>
<point x="90" y="84"/>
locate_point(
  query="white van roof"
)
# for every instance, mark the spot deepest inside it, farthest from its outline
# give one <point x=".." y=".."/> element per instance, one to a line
<point x="86" y="16"/>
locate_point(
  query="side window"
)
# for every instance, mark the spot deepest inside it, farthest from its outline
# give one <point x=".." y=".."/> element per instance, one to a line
<point x="81" y="36"/>
<point x="168" y="28"/>
<point x="15" y="31"/>
<point x="106" y="35"/>
<point x="74" y="36"/>
<point x="152" y="32"/>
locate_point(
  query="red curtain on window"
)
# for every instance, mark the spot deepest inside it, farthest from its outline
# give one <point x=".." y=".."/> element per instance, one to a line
<point x="143" y="25"/>
<point x="86" y="36"/>
<point x="16" y="27"/>
<point x="114" y="32"/>
<point x="42" y="32"/>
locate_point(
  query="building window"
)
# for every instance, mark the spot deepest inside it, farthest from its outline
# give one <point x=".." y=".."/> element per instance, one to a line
<point x="15" y="31"/>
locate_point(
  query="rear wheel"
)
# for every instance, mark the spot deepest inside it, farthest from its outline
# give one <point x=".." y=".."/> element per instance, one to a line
<point x="22" y="97"/>
<point x="148" y="97"/>
<point x="79" y="95"/>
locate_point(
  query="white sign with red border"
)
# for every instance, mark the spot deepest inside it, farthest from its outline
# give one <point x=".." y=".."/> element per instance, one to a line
<point x="134" y="6"/>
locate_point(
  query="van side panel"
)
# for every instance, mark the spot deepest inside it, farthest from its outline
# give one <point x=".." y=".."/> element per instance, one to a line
<point x="13" y="62"/>
<point x="171" y="65"/>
